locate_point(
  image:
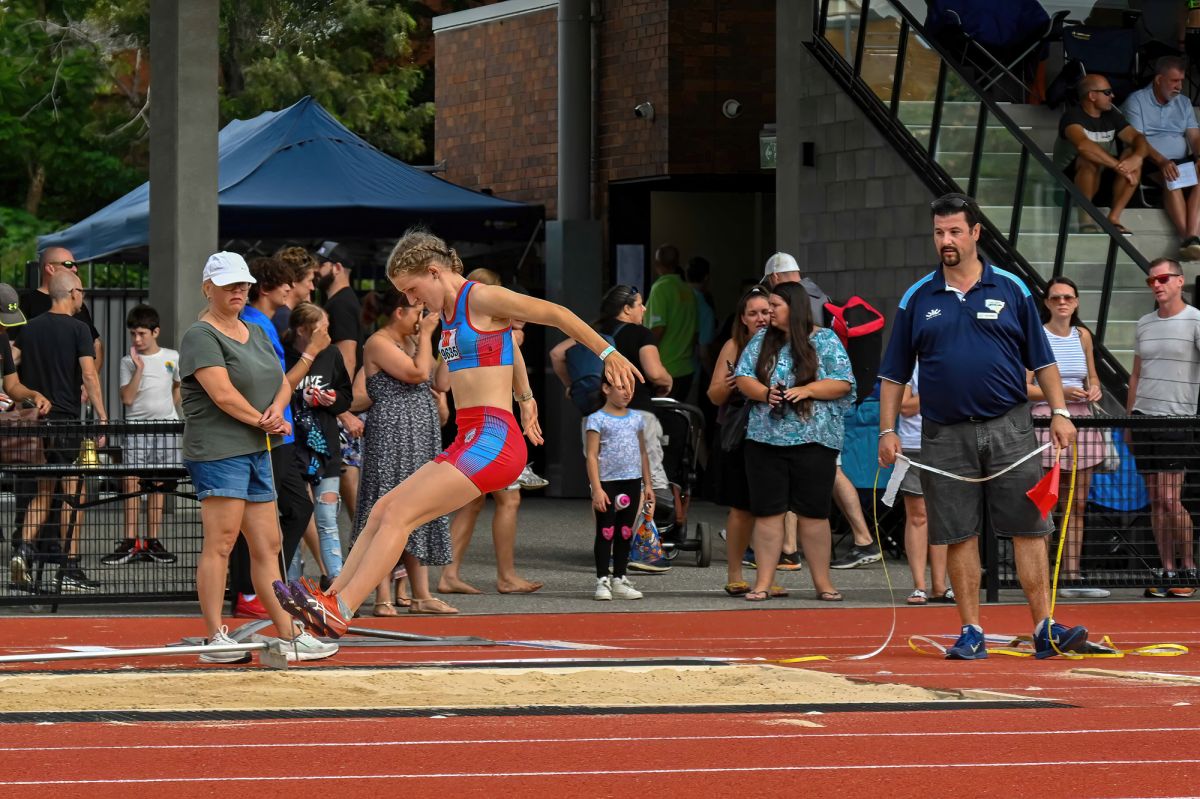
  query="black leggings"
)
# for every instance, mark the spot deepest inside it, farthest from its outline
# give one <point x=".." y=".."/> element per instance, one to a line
<point x="614" y="527"/>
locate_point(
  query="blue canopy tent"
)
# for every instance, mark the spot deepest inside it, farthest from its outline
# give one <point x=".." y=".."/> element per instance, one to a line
<point x="300" y="174"/>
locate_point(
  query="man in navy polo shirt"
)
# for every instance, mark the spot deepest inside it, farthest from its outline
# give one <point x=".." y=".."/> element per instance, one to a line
<point x="975" y="329"/>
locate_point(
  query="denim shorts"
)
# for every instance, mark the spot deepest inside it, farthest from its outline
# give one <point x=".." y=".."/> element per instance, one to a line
<point x="245" y="477"/>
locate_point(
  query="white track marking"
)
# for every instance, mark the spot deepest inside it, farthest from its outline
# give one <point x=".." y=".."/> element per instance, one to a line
<point x="617" y="739"/>
<point x="826" y="767"/>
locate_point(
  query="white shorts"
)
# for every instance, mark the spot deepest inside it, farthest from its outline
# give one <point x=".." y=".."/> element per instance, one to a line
<point x="151" y="449"/>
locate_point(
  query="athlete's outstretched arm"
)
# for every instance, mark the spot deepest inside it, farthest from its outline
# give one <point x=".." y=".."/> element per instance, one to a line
<point x="500" y="303"/>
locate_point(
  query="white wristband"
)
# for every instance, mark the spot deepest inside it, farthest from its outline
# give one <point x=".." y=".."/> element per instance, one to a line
<point x="609" y="350"/>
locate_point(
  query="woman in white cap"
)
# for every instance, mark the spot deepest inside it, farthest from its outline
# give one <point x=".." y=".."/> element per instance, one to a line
<point x="234" y="393"/>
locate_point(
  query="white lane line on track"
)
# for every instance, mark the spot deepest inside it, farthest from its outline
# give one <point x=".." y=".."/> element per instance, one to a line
<point x="618" y="739"/>
<point x="608" y="773"/>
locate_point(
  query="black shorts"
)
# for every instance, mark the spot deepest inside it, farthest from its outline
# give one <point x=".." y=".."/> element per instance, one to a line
<point x="733" y="489"/>
<point x="1161" y="449"/>
<point x="797" y="479"/>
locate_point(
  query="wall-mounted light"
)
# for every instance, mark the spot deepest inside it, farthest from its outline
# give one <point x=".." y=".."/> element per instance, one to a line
<point x="732" y="109"/>
<point x="644" y="110"/>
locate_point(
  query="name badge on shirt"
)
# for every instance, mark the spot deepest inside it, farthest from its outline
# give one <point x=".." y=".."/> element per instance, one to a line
<point x="987" y="315"/>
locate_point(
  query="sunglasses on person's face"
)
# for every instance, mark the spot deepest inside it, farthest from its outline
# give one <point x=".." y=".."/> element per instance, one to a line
<point x="1061" y="297"/>
<point x="1161" y="280"/>
<point x="66" y="265"/>
<point x="1105" y="92"/>
<point x="240" y="288"/>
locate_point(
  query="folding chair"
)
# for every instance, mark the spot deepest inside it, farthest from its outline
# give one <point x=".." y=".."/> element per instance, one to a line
<point x="1013" y="66"/>
<point x="1111" y="52"/>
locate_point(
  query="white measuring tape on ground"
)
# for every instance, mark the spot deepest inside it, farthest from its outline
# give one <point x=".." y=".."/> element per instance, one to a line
<point x="903" y="463"/>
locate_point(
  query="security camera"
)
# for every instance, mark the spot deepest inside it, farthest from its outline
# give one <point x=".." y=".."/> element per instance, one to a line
<point x="731" y="108"/>
<point x="644" y="110"/>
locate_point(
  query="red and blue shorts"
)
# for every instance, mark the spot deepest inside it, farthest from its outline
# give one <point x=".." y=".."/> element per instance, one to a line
<point x="489" y="448"/>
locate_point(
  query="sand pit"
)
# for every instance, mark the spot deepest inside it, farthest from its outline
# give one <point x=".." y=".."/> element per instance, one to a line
<point x="444" y="688"/>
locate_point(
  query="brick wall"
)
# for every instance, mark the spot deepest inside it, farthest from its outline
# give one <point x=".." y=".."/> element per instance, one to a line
<point x="632" y="68"/>
<point x="496" y="98"/>
<point x="719" y="51"/>
<point x="496" y="95"/>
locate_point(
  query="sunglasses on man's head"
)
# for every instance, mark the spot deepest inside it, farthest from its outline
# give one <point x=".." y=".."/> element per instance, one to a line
<point x="944" y="205"/>
<point x="1161" y="280"/>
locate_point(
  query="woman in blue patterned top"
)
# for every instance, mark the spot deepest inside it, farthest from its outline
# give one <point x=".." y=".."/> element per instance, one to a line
<point x="799" y="377"/>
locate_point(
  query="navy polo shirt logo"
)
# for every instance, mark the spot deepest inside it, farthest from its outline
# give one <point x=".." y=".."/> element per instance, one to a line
<point x="933" y="313"/>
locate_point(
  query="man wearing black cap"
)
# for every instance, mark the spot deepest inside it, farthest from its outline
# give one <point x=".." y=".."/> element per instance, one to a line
<point x="17" y="393"/>
<point x="345" y="330"/>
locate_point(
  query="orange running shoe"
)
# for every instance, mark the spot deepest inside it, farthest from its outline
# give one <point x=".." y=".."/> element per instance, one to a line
<point x="326" y="613"/>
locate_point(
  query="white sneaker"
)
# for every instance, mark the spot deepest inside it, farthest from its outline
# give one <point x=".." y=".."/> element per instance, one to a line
<point x="603" y="590"/>
<point x="623" y="589"/>
<point x="305" y="647"/>
<point x="222" y="639"/>
<point x="530" y="480"/>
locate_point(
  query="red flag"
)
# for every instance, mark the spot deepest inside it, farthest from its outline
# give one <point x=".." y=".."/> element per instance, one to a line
<point x="1045" y="493"/>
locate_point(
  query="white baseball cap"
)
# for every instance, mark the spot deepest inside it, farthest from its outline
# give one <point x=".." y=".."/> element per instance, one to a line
<point x="224" y="268"/>
<point x="780" y="262"/>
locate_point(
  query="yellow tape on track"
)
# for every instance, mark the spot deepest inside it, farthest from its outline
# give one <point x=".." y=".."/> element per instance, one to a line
<point x="1022" y="646"/>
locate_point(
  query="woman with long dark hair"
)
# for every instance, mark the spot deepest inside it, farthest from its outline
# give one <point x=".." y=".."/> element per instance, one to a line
<point x="799" y="377"/>
<point x="733" y="490"/>
<point x="621" y="315"/>
<point x="1072" y="346"/>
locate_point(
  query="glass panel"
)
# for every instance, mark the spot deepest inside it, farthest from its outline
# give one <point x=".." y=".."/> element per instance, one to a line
<point x="956" y="135"/>
<point x="918" y="87"/>
<point x="1037" y="233"/>
<point x="880" y="51"/>
<point x="999" y="160"/>
<point x="841" y="27"/>
<point x="1083" y="262"/>
<point x="1129" y="301"/>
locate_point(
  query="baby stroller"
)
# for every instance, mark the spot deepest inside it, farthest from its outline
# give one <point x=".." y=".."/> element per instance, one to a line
<point x="683" y="429"/>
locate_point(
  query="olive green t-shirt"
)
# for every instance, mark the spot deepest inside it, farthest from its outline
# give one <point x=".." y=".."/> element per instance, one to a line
<point x="210" y="434"/>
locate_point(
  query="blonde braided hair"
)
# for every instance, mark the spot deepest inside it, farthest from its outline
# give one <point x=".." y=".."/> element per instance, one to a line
<point x="416" y="249"/>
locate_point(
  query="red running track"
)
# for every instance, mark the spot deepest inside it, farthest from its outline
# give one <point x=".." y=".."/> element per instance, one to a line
<point x="1121" y="738"/>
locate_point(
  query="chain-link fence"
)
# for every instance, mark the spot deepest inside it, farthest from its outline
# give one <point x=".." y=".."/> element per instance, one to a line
<point x="1137" y="495"/>
<point x="95" y="512"/>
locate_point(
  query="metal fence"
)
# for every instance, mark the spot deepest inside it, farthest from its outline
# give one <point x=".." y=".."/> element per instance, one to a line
<point x="1129" y="468"/>
<point x="72" y="495"/>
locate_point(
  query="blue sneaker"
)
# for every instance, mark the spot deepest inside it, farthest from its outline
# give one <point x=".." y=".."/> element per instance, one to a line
<point x="1067" y="639"/>
<point x="969" y="646"/>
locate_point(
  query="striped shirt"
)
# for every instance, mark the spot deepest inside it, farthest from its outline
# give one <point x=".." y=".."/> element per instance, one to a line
<point x="1169" y="350"/>
<point x="1068" y="351"/>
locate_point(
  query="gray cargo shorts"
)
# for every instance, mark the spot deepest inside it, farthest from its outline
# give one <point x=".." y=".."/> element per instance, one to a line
<point x="976" y="449"/>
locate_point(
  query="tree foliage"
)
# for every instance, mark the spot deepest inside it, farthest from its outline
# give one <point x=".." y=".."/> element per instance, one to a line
<point x="69" y="134"/>
<point x="73" y="93"/>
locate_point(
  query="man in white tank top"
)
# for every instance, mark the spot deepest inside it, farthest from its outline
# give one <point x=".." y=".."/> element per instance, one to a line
<point x="1164" y="382"/>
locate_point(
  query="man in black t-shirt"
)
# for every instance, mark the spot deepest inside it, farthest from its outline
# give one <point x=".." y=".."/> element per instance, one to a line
<point x="36" y="302"/>
<point x="1087" y="148"/>
<point x="346" y="333"/>
<point x="58" y="360"/>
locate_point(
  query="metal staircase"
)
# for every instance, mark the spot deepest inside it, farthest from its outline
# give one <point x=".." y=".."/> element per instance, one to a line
<point x="957" y="139"/>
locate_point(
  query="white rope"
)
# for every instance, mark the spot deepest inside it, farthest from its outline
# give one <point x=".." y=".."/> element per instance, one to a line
<point x="1005" y="470"/>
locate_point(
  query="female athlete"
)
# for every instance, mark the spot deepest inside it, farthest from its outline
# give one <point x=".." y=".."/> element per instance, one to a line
<point x="488" y="453"/>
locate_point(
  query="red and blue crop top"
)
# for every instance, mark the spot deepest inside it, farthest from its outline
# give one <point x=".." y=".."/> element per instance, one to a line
<point x="464" y="346"/>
